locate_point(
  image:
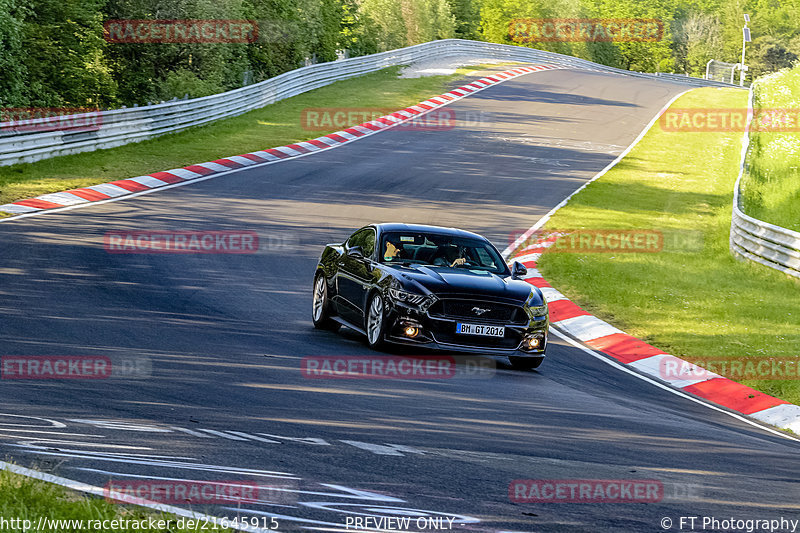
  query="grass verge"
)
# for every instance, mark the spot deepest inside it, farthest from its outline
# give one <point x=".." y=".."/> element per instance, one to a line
<point x="23" y="498"/>
<point x="692" y="304"/>
<point x="277" y="124"/>
<point x="771" y="189"/>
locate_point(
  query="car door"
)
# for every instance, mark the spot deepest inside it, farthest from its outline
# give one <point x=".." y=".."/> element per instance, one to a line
<point x="354" y="275"/>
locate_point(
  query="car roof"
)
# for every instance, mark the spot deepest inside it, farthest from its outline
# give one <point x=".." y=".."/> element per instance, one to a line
<point x="424" y="228"/>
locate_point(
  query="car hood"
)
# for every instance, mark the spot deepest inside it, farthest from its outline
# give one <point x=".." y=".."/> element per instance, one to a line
<point x="446" y="280"/>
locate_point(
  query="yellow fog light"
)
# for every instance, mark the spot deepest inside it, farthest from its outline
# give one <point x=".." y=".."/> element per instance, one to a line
<point x="411" y="331"/>
<point x="532" y="343"/>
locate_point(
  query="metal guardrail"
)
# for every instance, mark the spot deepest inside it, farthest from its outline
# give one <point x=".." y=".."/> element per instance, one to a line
<point x="754" y="239"/>
<point x="697" y="82"/>
<point x="33" y="141"/>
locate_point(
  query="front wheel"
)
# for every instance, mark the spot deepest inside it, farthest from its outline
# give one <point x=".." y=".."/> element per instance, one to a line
<point x="376" y="321"/>
<point x="320" y="311"/>
<point x="525" y="363"/>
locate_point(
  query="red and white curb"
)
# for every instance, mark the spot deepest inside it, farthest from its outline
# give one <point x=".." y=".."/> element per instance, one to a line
<point x="601" y="336"/>
<point x="141" y="184"/>
<point x="634" y="353"/>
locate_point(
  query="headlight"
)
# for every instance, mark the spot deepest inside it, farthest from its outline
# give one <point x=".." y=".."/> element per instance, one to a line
<point x="536" y="310"/>
<point x="421" y="300"/>
<point x="407" y="297"/>
<point x="539" y="310"/>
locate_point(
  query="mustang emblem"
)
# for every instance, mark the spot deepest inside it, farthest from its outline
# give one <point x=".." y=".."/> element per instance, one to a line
<point x="479" y="311"/>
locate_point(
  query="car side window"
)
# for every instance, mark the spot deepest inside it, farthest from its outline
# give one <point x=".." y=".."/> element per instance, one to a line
<point x="364" y="238"/>
<point x="369" y="243"/>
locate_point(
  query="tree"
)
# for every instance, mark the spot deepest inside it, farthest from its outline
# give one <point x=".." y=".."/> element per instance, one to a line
<point x="14" y="73"/>
<point x="65" y="55"/>
<point x="428" y="20"/>
<point x="646" y="55"/>
<point x="508" y="21"/>
<point x="163" y="70"/>
<point x="320" y="23"/>
<point x="698" y="39"/>
<point x="389" y="22"/>
<point x="769" y="55"/>
<point x="466" y="14"/>
<point x="358" y="32"/>
<point x="281" y="45"/>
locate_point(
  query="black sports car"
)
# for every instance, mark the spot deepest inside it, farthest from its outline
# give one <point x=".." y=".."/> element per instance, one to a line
<point x="430" y="287"/>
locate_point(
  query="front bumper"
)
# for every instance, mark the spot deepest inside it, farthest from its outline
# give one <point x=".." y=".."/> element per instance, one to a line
<point x="439" y="333"/>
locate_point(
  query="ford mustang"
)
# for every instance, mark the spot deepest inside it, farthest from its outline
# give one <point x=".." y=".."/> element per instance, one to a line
<point x="430" y="287"/>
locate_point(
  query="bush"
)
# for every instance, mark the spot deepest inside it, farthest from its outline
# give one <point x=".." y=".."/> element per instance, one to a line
<point x="182" y="82"/>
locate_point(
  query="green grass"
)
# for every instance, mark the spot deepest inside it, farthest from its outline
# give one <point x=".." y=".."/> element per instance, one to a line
<point x="274" y="125"/>
<point x="771" y="190"/>
<point x="24" y="498"/>
<point x="701" y="304"/>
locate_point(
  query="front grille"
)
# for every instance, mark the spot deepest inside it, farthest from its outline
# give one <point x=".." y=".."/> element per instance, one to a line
<point x="478" y="311"/>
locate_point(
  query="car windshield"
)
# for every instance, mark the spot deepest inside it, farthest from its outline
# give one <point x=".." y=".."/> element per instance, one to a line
<point x="436" y="249"/>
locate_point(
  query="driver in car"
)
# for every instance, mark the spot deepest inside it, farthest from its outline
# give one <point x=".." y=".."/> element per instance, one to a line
<point x="449" y="255"/>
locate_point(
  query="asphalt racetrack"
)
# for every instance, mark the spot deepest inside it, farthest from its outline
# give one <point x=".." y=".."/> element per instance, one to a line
<point x="216" y="342"/>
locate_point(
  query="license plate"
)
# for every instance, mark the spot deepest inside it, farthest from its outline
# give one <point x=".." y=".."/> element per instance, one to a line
<point x="478" y="329"/>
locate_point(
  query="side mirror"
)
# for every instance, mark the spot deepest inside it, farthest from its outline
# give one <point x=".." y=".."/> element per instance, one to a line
<point x="518" y="270"/>
<point x="356" y="252"/>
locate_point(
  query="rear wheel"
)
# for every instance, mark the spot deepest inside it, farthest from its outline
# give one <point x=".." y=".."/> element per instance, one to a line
<point x="525" y="363"/>
<point x="376" y="321"/>
<point x="321" y="307"/>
